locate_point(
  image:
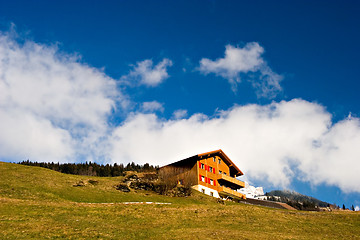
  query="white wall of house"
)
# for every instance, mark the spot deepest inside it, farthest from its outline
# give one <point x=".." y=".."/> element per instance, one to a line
<point x="206" y="190"/>
<point x="262" y="197"/>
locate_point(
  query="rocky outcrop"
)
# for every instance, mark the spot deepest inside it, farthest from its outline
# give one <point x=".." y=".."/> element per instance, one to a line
<point x="150" y="182"/>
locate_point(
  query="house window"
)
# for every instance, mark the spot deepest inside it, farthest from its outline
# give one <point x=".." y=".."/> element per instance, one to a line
<point x="211" y="194"/>
<point x="181" y="182"/>
<point x="210" y="169"/>
<point x="214" y="159"/>
<point x="203" y="190"/>
<point x="220" y="172"/>
<point x="219" y="160"/>
<point x="224" y="173"/>
<point x="202" y="166"/>
<point x="211" y="182"/>
<point x="202" y="178"/>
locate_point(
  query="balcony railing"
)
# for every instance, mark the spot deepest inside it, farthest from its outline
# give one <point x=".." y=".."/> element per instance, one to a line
<point x="229" y="192"/>
<point x="231" y="180"/>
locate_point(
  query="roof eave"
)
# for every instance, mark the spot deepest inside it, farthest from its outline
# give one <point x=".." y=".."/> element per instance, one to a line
<point x="220" y="152"/>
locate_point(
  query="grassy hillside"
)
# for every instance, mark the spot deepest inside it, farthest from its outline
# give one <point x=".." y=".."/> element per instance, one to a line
<point x="37" y="203"/>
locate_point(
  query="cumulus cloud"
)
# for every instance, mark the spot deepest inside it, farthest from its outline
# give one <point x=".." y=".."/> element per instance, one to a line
<point x="51" y="105"/>
<point x="272" y="144"/>
<point x="144" y="73"/>
<point x="55" y="108"/>
<point x="180" y="113"/>
<point x="152" y="106"/>
<point x="238" y="61"/>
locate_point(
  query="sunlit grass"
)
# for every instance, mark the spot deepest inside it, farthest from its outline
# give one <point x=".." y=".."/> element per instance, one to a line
<point x="37" y="203"/>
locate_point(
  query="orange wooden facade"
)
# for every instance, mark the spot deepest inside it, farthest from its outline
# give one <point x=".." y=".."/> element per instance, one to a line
<point x="214" y="174"/>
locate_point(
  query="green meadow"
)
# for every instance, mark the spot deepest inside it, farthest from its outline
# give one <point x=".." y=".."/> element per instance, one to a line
<point x="37" y="203"/>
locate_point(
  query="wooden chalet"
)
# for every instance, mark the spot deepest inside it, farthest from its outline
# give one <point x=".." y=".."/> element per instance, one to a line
<point x="212" y="173"/>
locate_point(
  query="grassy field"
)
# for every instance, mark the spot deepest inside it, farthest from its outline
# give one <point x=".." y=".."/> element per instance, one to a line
<point x="37" y="203"/>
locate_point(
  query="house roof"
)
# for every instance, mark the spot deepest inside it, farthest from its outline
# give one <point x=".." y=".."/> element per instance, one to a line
<point x="225" y="158"/>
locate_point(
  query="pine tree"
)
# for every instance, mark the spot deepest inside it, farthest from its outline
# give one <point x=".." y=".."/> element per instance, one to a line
<point x="352" y="208"/>
<point x="343" y="206"/>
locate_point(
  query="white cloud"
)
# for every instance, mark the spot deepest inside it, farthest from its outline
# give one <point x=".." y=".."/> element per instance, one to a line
<point x="336" y="156"/>
<point x="180" y="113"/>
<point x="24" y="135"/>
<point x="357" y="208"/>
<point x="51" y="105"/>
<point x="55" y="108"/>
<point x="152" y="106"/>
<point x="144" y="73"/>
<point x="239" y="61"/>
<point x="272" y="144"/>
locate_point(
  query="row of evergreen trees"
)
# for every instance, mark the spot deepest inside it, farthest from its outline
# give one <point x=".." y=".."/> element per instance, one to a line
<point x="344" y="208"/>
<point x="92" y="169"/>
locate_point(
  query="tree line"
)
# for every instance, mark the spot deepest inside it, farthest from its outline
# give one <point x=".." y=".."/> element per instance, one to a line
<point x="92" y="169"/>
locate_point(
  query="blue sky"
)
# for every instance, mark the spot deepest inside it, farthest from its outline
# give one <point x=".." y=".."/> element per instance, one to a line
<point x="274" y="84"/>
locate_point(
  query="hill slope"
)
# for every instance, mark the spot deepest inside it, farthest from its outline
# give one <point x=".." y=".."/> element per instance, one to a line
<point x="37" y="203"/>
<point x="295" y="196"/>
<point x="36" y="183"/>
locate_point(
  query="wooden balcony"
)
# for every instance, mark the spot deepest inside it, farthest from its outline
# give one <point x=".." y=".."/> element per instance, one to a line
<point x="224" y="191"/>
<point x="231" y="180"/>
